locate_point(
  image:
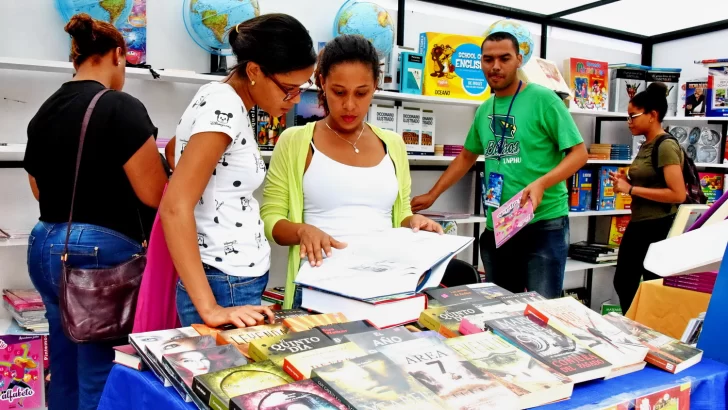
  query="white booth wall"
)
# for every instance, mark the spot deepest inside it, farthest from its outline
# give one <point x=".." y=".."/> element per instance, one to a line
<point x="169" y="46"/>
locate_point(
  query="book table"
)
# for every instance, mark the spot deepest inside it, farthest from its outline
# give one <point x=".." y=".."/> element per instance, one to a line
<point x="130" y="389"/>
<point x="665" y="309"/>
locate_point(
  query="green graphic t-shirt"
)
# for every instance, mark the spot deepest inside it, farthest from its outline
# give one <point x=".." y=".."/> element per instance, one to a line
<point x="538" y="132"/>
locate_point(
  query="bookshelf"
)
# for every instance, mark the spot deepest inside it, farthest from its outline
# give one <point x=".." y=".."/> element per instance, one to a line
<point x="600" y="213"/>
<point x="575" y="266"/>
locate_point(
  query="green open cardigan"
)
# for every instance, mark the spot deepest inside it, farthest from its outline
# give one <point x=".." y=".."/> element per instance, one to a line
<point x="283" y="191"/>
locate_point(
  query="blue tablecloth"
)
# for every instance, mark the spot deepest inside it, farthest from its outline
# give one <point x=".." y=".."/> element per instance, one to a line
<point x="130" y="389"/>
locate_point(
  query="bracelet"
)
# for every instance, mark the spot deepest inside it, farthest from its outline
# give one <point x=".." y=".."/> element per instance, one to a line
<point x="630" y="190"/>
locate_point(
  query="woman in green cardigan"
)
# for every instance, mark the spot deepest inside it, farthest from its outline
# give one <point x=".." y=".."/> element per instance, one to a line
<point x="338" y="177"/>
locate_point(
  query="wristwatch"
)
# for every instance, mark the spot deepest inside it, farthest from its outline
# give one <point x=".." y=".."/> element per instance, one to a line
<point x="630" y="189"/>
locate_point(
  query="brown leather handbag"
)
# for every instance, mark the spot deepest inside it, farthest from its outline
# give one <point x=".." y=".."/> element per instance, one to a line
<point x="98" y="305"/>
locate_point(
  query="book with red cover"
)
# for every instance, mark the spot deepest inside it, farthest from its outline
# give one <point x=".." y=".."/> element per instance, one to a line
<point x="127" y="356"/>
<point x="23" y="300"/>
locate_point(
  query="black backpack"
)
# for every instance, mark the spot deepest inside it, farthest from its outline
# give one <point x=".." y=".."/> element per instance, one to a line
<point x="691" y="177"/>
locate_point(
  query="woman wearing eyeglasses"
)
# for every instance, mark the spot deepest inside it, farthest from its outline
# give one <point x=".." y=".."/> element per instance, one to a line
<point x="656" y="189"/>
<point x="211" y="220"/>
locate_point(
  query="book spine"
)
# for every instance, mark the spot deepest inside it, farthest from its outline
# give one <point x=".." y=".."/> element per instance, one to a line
<point x="174" y="378"/>
<point x="328" y="389"/>
<point x="217" y="404"/>
<point x="257" y="353"/>
<point x="234" y="406"/>
<point x="468" y="328"/>
<point x="661" y="363"/>
<point x="429" y="321"/>
<point x="201" y="391"/>
<point x="292" y="371"/>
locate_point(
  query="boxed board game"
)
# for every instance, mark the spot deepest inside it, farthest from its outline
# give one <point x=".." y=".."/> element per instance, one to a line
<point x="453" y="66"/>
<point x="588" y="81"/>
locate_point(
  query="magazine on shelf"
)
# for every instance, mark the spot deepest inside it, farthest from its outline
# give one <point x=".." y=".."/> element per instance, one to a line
<point x="391" y="262"/>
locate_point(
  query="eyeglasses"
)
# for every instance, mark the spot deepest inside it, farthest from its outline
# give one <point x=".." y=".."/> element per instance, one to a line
<point x="294" y="92"/>
<point x="630" y="118"/>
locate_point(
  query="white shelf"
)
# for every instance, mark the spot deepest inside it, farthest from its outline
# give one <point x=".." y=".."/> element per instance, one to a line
<point x="12" y="152"/>
<point x="600" y="213"/>
<point x="610" y="161"/>
<point x="704" y="165"/>
<point x="575" y="266"/>
<point x="473" y="219"/>
<point x="7" y="243"/>
<point x="587" y="113"/>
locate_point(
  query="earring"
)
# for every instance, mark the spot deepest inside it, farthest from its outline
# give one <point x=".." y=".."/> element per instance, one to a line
<point x="252" y="82"/>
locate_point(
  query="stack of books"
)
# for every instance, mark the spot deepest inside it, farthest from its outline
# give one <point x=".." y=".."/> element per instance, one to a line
<point x="600" y="151"/>
<point x="699" y="282"/>
<point x="452" y="150"/>
<point x="274" y="296"/>
<point x="439" y="150"/>
<point x="27" y="308"/>
<point x="593" y="252"/>
<point x="621" y="152"/>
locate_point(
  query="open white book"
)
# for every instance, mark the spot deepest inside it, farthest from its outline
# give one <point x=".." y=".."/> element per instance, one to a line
<point x="392" y="262"/>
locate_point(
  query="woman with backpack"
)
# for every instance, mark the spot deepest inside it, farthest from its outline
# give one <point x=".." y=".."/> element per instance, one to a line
<point x="657" y="186"/>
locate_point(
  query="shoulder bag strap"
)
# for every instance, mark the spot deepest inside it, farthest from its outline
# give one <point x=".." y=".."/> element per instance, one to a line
<point x="82" y="137"/>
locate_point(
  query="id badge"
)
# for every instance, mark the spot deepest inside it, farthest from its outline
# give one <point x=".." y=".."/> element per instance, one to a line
<point x="493" y="191"/>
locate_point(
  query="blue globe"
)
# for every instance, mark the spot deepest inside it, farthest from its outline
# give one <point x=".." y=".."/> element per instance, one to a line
<point x="128" y="16"/>
<point x="368" y="20"/>
<point x="209" y="21"/>
<point x="517" y="30"/>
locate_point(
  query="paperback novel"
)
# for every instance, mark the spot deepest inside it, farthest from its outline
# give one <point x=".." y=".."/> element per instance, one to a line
<point x="183" y="367"/>
<point x="489" y="290"/>
<point x="284" y="314"/>
<point x="303" y="323"/>
<point x="301" y="395"/>
<point x="372" y="341"/>
<point x="477" y="323"/>
<point x="551" y="347"/>
<point x="459" y="383"/>
<point x="216" y="389"/>
<point x="141" y="340"/>
<point x="521" y="298"/>
<point x="537" y="384"/>
<point x="300" y="365"/>
<point x="455" y="295"/>
<point x="337" y="331"/>
<point x="446" y="319"/>
<point x="242" y="337"/>
<point x="665" y="352"/>
<point x="375" y="382"/>
<point x="277" y="348"/>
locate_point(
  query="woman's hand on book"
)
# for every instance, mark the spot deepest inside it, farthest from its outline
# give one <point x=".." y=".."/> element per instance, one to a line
<point x="240" y="316"/>
<point x="314" y="241"/>
<point x="423" y="223"/>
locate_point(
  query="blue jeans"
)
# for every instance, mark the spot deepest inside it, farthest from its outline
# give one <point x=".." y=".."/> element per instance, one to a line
<point x="533" y="260"/>
<point x="229" y="291"/>
<point x="79" y="370"/>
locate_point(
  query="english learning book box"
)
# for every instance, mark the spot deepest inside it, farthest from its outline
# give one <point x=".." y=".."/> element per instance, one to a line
<point x="588" y="81"/>
<point x="452" y="66"/>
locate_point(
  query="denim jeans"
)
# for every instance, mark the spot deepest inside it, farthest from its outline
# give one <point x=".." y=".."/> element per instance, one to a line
<point x="79" y="370"/>
<point x="532" y="260"/>
<point x="229" y="291"/>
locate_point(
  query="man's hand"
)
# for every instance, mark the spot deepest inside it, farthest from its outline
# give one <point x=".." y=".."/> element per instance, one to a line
<point x="240" y="316"/>
<point x="423" y="223"/>
<point x="620" y="182"/>
<point x="313" y="241"/>
<point x="422" y="202"/>
<point x="534" y="192"/>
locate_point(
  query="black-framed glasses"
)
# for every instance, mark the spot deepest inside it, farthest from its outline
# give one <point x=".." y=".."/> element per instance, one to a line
<point x="294" y="92"/>
<point x="631" y="118"/>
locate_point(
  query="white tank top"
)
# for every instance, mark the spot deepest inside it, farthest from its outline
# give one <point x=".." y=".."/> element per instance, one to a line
<point x="343" y="200"/>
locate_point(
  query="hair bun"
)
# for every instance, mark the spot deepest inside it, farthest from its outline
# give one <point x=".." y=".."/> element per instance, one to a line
<point x="81" y="27"/>
<point x="657" y="90"/>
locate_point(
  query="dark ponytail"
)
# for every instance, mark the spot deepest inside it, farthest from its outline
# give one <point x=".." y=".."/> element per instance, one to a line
<point x="654" y="98"/>
<point x="91" y="38"/>
<point x="278" y="43"/>
<point x="345" y="49"/>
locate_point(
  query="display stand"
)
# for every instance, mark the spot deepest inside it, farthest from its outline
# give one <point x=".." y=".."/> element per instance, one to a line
<point x="712" y="337"/>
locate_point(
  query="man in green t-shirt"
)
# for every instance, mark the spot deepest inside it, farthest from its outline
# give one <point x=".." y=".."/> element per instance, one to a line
<point x="530" y="139"/>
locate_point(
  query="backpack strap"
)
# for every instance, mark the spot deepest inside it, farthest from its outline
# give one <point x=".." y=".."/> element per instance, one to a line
<point x="656" y="150"/>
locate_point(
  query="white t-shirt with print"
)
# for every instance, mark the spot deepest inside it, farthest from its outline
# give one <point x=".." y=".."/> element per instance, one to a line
<point x="230" y="231"/>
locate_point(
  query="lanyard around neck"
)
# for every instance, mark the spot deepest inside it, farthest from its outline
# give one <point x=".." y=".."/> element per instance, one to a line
<point x="501" y="143"/>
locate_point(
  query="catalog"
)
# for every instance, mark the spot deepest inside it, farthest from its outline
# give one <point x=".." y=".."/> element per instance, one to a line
<point x="394" y="261"/>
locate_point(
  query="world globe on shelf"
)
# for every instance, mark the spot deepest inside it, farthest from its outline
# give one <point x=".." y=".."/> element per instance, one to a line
<point x="517" y="30"/>
<point x="129" y="16"/>
<point x="209" y="22"/>
<point x="369" y="20"/>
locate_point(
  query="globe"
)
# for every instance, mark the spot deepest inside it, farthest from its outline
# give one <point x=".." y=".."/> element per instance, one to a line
<point x="368" y="20"/>
<point x="128" y="16"/>
<point x="517" y="30"/>
<point x="209" y="21"/>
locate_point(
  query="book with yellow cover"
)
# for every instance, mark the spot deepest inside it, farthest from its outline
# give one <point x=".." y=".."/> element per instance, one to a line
<point x="300" y="365"/>
<point x="303" y="323"/>
<point x="277" y="348"/>
<point x="446" y="319"/>
<point x="242" y="337"/>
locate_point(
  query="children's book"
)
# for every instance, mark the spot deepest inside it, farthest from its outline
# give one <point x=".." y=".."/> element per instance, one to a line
<point x="511" y="218"/>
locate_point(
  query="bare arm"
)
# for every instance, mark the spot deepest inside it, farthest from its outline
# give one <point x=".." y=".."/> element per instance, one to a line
<point x="146" y="174"/>
<point x="177" y="212"/>
<point x="34" y="187"/>
<point x="674" y="193"/>
<point x="169" y="152"/>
